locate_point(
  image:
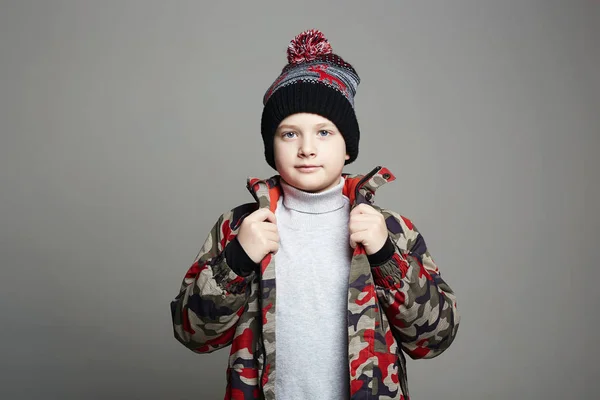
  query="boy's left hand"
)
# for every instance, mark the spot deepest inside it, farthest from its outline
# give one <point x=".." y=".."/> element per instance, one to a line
<point x="367" y="226"/>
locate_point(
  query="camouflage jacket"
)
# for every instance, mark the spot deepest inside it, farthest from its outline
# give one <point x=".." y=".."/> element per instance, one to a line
<point x="401" y="306"/>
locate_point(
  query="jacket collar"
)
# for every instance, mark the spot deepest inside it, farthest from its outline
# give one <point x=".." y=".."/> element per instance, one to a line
<point x="358" y="188"/>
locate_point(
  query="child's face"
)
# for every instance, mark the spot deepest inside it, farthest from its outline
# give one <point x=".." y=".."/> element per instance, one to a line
<point x="303" y="140"/>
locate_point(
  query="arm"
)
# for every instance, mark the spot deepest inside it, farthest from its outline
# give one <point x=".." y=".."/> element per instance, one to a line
<point x="419" y="305"/>
<point x="212" y="296"/>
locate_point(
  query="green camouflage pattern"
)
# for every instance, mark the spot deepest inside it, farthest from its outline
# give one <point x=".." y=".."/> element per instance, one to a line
<point x="401" y="307"/>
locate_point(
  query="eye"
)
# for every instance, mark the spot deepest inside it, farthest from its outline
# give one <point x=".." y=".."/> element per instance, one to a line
<point x="324" y="133"/>
<point x="289" y="135"/>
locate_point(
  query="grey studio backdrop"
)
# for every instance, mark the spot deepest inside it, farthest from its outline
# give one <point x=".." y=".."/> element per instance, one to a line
<point x="127" y="127"/>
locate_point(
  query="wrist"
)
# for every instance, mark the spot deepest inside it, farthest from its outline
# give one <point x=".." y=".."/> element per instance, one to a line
<point x="238" y="260"/>
<point x="383" y="255"/>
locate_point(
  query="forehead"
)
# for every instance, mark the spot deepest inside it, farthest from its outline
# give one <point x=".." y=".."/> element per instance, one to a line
<point x="305" y="120"/>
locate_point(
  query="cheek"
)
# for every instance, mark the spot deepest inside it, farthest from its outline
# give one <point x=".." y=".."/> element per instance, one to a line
<point x="281" y="151"/>
<point x="338" y="148"/>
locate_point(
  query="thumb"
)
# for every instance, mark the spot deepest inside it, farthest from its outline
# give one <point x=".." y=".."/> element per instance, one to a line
<point x="263" y="215"/>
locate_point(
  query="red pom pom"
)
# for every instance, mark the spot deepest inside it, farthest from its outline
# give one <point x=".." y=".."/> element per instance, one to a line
<point x="307" y="46"/>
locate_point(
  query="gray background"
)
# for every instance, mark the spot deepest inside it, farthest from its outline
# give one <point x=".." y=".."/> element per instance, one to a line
<point x="127" y="127"/>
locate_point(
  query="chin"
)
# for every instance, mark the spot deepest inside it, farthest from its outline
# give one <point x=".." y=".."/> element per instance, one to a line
<point x="310" y="184"/>
<point x="304" y="184"/>
<point x="311" y="188"/>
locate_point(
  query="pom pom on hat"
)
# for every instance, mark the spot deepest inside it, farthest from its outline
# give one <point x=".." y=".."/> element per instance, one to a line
<point x="307" y="46"/>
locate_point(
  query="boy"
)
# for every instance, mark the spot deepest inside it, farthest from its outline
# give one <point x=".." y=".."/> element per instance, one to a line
<point x="317" y="290"/>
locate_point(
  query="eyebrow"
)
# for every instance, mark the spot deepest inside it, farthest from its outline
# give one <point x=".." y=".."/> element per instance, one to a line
<point x="284" y="127"/>
<point x="294" y="127"/>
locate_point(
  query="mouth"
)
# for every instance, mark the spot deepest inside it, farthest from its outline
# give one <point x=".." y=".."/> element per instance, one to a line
<point x="307" y="168"/>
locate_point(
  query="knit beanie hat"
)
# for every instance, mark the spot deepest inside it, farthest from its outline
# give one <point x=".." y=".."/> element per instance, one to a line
<point x="316" y="81"/>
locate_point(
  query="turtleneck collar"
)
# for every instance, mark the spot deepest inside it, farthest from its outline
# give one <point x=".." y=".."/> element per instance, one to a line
<point x="313" y="203"/>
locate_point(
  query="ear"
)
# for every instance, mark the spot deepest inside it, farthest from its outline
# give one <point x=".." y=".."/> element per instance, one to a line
<point x="347" y="157"/>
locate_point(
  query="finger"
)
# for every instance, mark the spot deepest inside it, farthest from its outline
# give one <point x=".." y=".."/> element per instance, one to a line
<point x="272" y="236"/>
<point x="268" y="226"/>
<point x="357" y="226"/>
<point x="376" y="222"/>
<point x="373" y="218"/>
<point x="352" y="243"/>
<point x="365" y="220"/>
<point x="263" y="214"/>
<point x="357" y="237"/>
<point x="364" y="209"/>
<point x="273" y="247"/>
<point x="270" y="216"/>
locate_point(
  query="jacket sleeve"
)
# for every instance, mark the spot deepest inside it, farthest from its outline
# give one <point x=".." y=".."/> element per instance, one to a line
<point x="212" y="296"/>
<point x="418" y="303"/>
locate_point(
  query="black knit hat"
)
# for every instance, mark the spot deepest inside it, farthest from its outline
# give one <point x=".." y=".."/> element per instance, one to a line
<point x="314" y="81"/>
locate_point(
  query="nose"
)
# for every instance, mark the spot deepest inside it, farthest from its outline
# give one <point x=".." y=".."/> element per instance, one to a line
<point x="307" y="148"/>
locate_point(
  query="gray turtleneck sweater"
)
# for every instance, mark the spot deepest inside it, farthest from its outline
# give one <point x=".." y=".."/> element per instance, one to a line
<point x="312" y="270"/>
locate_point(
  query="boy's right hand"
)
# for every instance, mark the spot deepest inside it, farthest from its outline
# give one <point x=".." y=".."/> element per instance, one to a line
<point x="258" y="234"/>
